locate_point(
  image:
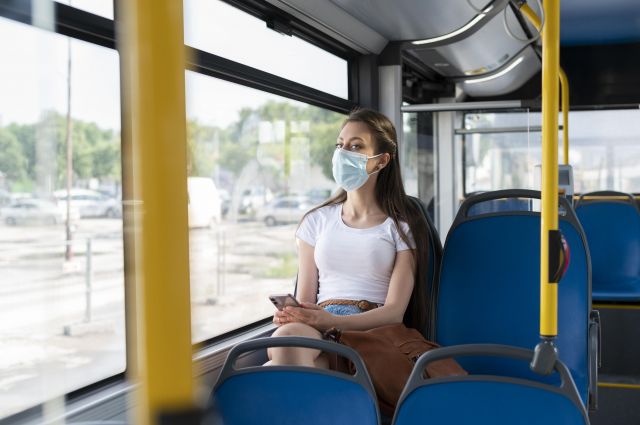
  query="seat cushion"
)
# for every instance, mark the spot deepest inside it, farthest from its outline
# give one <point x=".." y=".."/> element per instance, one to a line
<point x="479" y="403"/>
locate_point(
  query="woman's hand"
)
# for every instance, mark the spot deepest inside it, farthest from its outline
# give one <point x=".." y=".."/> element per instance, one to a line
<point x="281" y="317"/>
<point x="310" y="314"/>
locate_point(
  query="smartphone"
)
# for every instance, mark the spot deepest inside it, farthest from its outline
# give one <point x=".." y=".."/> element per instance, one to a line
<point x="282" y="301"/>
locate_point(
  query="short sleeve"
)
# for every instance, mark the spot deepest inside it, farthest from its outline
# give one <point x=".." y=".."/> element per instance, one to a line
<point x="400" y="243"/>
<point x="308" y="229"/>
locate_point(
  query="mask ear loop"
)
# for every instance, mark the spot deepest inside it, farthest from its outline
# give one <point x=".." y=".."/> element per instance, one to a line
<point x="379" y="169"/>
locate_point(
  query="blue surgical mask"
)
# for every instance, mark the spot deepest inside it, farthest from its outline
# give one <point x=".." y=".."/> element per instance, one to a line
<point x="350" y="169"/>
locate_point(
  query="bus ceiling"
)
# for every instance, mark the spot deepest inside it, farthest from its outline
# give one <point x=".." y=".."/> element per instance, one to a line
<point x="487" y="48"/>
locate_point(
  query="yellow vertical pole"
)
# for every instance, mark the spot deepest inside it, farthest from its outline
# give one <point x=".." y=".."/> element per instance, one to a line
<point x="155" y="67"/>
<point x="549" y="213"/>
<point x="564" y="84"/>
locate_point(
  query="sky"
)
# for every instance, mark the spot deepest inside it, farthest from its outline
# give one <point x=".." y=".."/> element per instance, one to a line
<point x="34" y="67"/>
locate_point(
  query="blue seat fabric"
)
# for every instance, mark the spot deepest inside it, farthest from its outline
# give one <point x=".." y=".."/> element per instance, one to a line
<point x="613" y="234"/>
<point x="490" y="293"/>
<point x="478" y="402"/>
<point x="281" y="397"/>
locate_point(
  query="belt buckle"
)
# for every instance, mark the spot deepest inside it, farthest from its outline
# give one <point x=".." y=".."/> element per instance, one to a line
<point x="364" y="305"/>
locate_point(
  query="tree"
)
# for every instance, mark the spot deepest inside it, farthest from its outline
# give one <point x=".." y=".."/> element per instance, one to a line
<point x="13" y="164"/>
<point x="25" y="134"/>
<point x="96" y="152"/>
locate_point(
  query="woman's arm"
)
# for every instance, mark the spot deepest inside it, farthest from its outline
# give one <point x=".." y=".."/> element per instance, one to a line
<point x="307" y="273"/>
<point x="307" y="281"/>
<point x="400" y="289"/>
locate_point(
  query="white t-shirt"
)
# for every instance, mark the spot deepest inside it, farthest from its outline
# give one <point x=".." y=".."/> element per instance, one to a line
<point x="353" y="264"/>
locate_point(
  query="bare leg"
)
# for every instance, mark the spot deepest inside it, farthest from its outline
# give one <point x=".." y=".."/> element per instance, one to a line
<point x="297" y="356"/>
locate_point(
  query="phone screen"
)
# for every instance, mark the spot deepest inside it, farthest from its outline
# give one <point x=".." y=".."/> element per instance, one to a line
<point x="282" y="301"/>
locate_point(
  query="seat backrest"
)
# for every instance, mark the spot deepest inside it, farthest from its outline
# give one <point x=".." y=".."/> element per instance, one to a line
<point x="489" y="289"/>
<point x="611" y="221"/>
<point x="292" y="394"/>
<point x="433" y="272"/>
<point x="482" y="399"/>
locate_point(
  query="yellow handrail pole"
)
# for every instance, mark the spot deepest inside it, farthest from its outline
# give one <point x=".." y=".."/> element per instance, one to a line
<point x="564" y="84"/>
<point x="155" y="68"/>
<point x="549" y="208"/>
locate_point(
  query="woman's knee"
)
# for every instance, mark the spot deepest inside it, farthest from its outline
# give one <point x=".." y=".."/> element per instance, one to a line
<point x="294" y="355"/>
<point x="297" y="329"/>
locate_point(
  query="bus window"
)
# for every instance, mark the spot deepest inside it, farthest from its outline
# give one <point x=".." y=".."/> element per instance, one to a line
<point x="240" y="37"/>
<point x="603" y="150"/>
<point x="62" y="301"/>
<point x="261" y="151"/>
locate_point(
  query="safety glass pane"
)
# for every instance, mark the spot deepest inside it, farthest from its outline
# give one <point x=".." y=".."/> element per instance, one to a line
<point x="257" y="163"/>
<point x="505" y="153"/>
<point x="61" y="262"/>
<point x="221" y="29"/>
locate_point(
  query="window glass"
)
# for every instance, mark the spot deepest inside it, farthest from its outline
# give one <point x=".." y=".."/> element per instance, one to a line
<point x="256" y="163"/>
<point x="223" y="30"/>
<point x="61" y="301"/>
<point x="408" y="153"/>
<point x="603" y="150"/>
<point x="417" y="155"/>
<point x="102" y="8"/>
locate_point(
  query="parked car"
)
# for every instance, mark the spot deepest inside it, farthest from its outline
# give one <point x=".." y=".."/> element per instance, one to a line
<point x="285" y="209"/>
<point x="91" y="203"/>
<point x="204" y="202"/>
<point x="34" y="211"/>
<point x="254" y="198"/>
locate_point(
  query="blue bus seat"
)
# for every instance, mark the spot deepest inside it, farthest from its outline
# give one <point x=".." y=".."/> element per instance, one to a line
<point x="612" y="227"/>
<point x="293" y="394"/>
<point x="500" y="205"/>
<point x="489" y="290"/>
<point x="488" y="399"/>
<point x="433" y="272"/>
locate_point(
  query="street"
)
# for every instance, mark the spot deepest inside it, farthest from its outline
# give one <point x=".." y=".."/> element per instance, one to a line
<point x="55" y="338"/>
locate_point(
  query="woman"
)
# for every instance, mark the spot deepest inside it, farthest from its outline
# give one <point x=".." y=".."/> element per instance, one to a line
<point x="363" y="253"/>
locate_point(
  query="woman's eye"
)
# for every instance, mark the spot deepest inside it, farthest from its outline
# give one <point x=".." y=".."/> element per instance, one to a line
<point x="338" y="145"/>
<point x="355" y="147"/>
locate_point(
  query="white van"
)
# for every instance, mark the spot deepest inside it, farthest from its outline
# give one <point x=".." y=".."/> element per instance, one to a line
<point x="204" y="202"/>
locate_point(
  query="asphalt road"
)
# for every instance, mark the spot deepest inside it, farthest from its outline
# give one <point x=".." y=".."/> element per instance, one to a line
<point x="234" y="267"/>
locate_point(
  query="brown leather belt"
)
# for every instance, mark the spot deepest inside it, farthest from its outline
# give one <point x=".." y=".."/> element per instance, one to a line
<point x="363" y="305"/>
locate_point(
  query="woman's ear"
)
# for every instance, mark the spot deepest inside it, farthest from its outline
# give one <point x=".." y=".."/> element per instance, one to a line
<point x="385" y="158"/>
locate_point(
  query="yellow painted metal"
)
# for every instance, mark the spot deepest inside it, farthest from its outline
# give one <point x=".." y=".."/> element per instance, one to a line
<point x="564" y="84"/>
<point x="604" y="197"/>
<point x="549" y="207"/>
<point x="616" y="307"/>
<point x="154" y="58"/>
<point x="623" y="386"/>
<point x="531" y="15"/>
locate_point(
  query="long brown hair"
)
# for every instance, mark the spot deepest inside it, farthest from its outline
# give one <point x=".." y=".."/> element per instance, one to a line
<point x="393" y="200"/>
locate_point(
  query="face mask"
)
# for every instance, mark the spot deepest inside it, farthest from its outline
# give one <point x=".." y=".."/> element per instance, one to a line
<point x="350" y="169"/>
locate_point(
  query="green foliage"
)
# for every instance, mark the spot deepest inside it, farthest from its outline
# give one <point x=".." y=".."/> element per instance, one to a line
<point x="30" y="153"/>
<point x="13" y="164"/>
<point x="42" y="148"/>
<point x="286" y="266"/>
<point x="323" y="143"/>
<point x="232" y="148"/>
